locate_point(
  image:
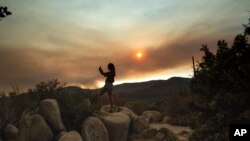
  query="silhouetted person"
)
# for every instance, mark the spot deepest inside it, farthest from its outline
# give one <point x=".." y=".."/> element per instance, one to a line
<point x="108" y="87"/>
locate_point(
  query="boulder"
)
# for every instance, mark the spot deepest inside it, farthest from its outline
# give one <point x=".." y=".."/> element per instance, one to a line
<point x="117" y="125"/>
<point x="59" y="135"/>
<point x="127" y="111"/>
<point x="170" y="136"/>
<point x="152" y="116"/>
<point x="49" y="109"/>
<point x="149" y="133"/>
<point x="159" y="136"/>
<point x="165" y="119"/>
<point x="94" y="130"/>
<point x="139" y="123"/>
<point x="117" y="109"/>
<point x="10" y="132"/>
<point x="71" y="136"/>
<point x="34" y="128"/>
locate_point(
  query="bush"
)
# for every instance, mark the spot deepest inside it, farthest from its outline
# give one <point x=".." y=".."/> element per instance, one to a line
<point x="74" y="109"/>
<point x="221" y="85"/>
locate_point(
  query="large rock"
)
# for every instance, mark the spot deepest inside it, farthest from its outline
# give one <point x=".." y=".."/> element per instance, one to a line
<point x="94" y="130"/>
<point x="152" y="116"/>
<point x="160" y="136"/>
<point x="117" y="109"/>
<point x="127" y="111"/>
<point x="117" y="125"/>
<point x="139" y="124"/>
<point x="166" y="119"/>
<point x="34" y="128"/>
<point x="10" y="132"/>
<point x="168" y="134"/>
<point x="149" y="133"/>
<point x="59" y="135"/>
<point x="71" y="136"/>
<point x="49" y="109"/>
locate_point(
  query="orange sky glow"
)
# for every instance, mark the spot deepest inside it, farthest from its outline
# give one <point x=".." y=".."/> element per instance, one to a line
<point x="145" y="39"/>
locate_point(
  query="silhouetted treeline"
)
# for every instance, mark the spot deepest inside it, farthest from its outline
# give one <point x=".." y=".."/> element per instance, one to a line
<point x="221" y="87"/>
<point x="4" y="12"/>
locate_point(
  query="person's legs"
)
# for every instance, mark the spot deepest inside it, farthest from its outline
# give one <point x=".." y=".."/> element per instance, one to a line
<point x="99" y="98"/>
<point x="111" y="101"/>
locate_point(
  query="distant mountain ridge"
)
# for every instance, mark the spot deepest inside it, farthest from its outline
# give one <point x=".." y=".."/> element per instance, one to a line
<point x="154" y="89"/>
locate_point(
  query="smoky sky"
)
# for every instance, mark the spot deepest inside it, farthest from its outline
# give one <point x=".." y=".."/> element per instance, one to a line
<point x="26" y="66"/>
<point x="69" y="40"/>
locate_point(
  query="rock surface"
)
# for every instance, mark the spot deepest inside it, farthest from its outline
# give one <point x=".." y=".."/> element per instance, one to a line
<point x="117" y="125"/>
<point x="149" y="133"/>
<point x="59" y="135"/>
<point x="160" y="136"/>
<point x="165" y="119"/>
<point x="10" y="132"/>
<point x="71" y="136"/>
<point x="152" y="116"/>
<point x="49" y="109"/>
<point x="139" y="123"/>
<point x="34" y="128"/>
<point x="181" y="132"/>
<point x="93" y="129"/>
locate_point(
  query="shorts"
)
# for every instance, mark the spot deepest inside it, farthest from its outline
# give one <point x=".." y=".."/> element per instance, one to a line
<point x="108" y="86"/>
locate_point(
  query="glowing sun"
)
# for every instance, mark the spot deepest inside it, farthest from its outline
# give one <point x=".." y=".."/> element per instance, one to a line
<point x="139" y="55"/>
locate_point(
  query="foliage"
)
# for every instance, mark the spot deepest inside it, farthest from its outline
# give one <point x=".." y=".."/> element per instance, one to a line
<point x="221" y="85"/>
<point x="138" y="107"/>
<point x="74" y="109"/>
<point x="177" y="108"/>
<point x="4" y="12"/>
<point x="73" y="106"/>
<point x="46" y="89"/>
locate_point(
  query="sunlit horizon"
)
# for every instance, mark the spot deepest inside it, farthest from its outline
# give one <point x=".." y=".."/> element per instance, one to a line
<point x="146" y="40"/>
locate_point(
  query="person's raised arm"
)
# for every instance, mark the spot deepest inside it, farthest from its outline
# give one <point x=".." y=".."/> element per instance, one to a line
<point x="101" y="71"/>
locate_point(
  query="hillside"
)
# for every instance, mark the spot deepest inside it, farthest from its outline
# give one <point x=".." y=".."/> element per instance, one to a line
<point x="154" y="90"/>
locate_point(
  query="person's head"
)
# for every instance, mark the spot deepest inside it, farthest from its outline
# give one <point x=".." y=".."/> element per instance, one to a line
<point x="111" y="66"/>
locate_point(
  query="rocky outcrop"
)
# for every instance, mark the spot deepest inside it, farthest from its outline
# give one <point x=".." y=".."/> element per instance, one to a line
<point x="173" y="132"/>
<point x="94" y="130"/>
<point x="149" y="133"/>
<point x="152" y="116"/>
<point x="117" y="125"/>
<point x="10" y="132"/>
<point x="117" y="109"/>
<point x="49" y="109"/>
<point x="139" y="124"/>
<point x="160" y="136"/>
<point x="34" y="128"/>
<point x="165" y="119"/>
<point x="59" y="135"/>
<point x="168" y="134"/>
<point x="71" y="136"/>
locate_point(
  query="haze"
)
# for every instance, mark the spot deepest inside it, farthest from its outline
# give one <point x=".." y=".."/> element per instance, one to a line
<point x="69" y="40"/>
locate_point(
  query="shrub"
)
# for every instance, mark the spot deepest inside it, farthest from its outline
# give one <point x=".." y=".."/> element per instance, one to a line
<point x="221" y="85"/>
